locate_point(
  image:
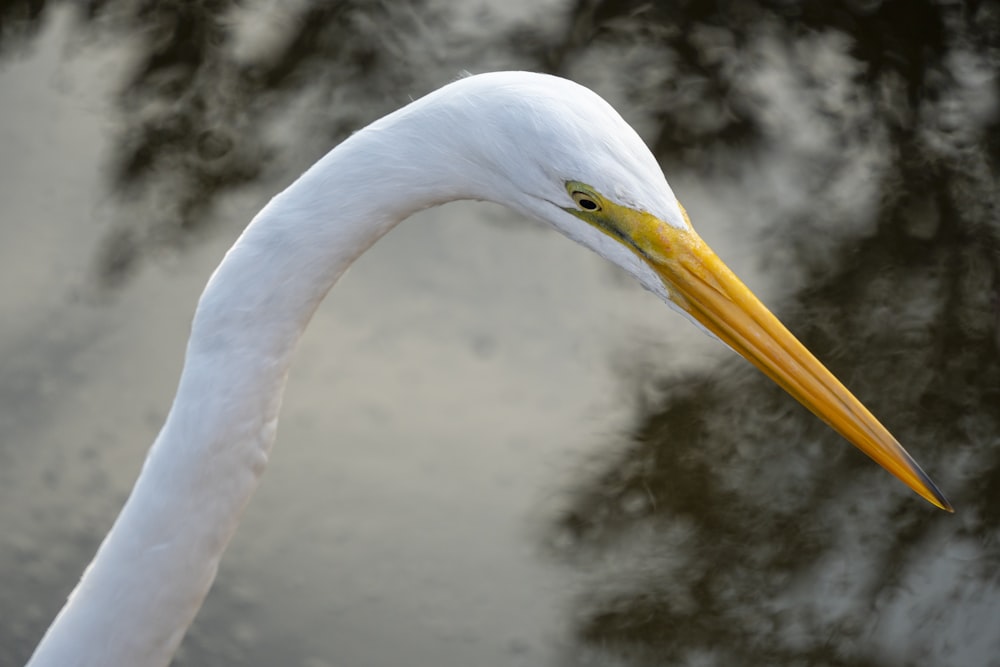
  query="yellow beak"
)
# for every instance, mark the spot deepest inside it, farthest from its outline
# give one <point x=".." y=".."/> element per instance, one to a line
<point x="701" y="284"/>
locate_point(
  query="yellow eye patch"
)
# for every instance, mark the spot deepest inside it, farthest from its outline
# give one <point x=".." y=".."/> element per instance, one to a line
<point x="646" y="234"/>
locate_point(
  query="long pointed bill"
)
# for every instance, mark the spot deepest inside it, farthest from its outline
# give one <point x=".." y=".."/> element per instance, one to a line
<point x="701" y="284"/>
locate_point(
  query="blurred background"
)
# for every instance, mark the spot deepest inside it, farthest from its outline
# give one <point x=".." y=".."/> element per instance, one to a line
<point x="495" y="450"/>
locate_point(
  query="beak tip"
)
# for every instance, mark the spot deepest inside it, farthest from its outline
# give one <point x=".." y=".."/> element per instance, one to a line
<point x="934" y="494"/>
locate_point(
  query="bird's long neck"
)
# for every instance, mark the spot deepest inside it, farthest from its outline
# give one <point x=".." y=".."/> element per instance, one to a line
<point x="144" y="587"/>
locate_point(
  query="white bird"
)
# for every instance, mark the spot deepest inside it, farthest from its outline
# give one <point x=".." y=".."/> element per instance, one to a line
<point x="546" y="147"/>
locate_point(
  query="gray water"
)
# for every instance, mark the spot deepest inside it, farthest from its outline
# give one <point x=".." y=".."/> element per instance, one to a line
<point x="495" y="450"/>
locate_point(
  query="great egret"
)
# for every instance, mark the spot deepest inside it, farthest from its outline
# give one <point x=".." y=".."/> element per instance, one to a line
<point x="541" y="145"/>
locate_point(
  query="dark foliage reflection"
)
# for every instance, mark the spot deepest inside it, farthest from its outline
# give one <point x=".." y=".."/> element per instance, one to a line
<point x="736" y="530"/>
<point x="731" y="527"/>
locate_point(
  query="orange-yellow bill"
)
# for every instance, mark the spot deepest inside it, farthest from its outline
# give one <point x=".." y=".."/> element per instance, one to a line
<point x="701" y="284"/>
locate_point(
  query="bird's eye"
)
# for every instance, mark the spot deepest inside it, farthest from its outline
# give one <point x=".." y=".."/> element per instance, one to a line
<point x="585" y="201"/>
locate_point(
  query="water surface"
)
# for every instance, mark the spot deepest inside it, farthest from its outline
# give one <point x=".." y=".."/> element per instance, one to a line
<point x="494" y="449"/>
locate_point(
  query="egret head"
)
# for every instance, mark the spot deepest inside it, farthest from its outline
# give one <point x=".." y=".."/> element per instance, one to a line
<point x="551" y="148"/>
<point x="556" y="151"/>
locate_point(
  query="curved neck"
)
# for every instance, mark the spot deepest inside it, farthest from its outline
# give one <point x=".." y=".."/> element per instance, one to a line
<point x="147" y="582"/>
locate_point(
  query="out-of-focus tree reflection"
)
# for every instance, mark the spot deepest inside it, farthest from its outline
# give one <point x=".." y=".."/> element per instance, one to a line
<point x="733" y="524"/>
<point x="730" y="527"/>
<point x="213" y="86"/>
<point x="733" y="528"/>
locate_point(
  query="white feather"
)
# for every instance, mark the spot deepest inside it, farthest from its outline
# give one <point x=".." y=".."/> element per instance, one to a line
<point x="514" y="138"/>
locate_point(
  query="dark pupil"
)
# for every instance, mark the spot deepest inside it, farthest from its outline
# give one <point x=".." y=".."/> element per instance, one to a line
<point x="587" y="204"/>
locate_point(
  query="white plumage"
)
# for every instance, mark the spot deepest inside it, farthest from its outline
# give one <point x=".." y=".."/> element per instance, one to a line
<point x="518" y="139"/>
